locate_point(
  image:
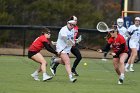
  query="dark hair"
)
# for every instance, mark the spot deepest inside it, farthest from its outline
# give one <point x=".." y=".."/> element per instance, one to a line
<point x="107" y="36"/>
<point x="71" y="18"/>
<point x="45" y="30"/>
<point x="115" y="27"/>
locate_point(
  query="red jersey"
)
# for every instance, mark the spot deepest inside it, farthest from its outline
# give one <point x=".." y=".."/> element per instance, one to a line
<point x="75" y="32"/>
<point x="116" y="42"/>
<point x="37" y="45"/>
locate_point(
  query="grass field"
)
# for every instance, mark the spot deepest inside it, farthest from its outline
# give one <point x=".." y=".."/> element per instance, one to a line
<point x="96" y="77"/>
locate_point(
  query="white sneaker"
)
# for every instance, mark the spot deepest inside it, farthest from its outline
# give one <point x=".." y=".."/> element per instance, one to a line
<point x="126" y="70"/>
<point x="73" y="79"/>
<point x="35" y="77"/>
<point x="103" y="59"/>
<point x="131" y="69"/>
<point x="47" y="77"/>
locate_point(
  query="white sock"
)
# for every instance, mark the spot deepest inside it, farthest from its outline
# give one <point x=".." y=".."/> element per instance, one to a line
<point x="36" y="72"/>
<point x="55" y="60"/>
<point x="44" y="74"/>
<point x="131" y="65"/>
<point x="70" y="75"/>
<point x="127" y="65"/>
<point x="122" y="76"/>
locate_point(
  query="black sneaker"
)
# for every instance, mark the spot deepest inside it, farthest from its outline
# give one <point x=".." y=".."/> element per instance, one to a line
<point x="120" y="81"/>
<point x="136" y="61"/>
<point x="75" y="73"/>
<point x="73" y="80"/>
<point x="52" y="61"/>
<point x="53" y="71"/>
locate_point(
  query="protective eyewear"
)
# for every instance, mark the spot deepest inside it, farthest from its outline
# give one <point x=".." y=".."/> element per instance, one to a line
<point x="111" y="31"/>
<point x="72" y="24"/>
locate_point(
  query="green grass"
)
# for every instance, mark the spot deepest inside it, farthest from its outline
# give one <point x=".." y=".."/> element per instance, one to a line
<point x="96" y="77"/>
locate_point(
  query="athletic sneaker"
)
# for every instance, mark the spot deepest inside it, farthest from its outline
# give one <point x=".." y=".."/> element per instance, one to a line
<point x="53" y="71"/>
<point x="75" y="73"/>
<point x="52" y="61"/>
<point x="126" y="70"/>
<point x="121" y="78"/>
<point x="120" y="81"/>
<point x="35" y="77"/>
<point x="47" y="77"/>
<point x="131" y="69"/>
<point x="73" y="80"/>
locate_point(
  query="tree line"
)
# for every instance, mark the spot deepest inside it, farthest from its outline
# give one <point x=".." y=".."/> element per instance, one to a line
<point x="56" y="12"/>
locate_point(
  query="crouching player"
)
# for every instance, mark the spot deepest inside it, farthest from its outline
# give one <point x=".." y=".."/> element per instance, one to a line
<point x="119" y="52"/>
<point x="34" y="54"/>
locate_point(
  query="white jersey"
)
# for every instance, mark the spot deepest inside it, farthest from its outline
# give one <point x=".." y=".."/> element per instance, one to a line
<point x="122" y="31"/>
<point x="61" y="43"/>
<point x="135" y="30"/>
<point x="135" y="37"/>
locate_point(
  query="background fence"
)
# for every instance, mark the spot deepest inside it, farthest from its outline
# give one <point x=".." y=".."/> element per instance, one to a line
<point x="15" y="39"/>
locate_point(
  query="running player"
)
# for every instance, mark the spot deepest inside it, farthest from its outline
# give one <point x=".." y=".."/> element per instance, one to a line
<point x="64" y="44"/>
<point x="34" y="54"/>
<point x="74" y="50"/>
<point x="119" y="53"/>
<point x="134" y="31"/>
<point x="122" y="30"/>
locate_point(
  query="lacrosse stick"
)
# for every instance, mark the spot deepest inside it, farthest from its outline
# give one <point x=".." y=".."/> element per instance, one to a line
<point x="53" y="43"/>
<point x="62" y="50"/>
<point x="79" y="39"/>
<point x="103" y="27"/>
<point x="100" y="51"/>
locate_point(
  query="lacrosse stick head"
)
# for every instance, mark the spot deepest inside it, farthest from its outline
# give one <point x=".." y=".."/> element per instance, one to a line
<point x="102" y="27"/>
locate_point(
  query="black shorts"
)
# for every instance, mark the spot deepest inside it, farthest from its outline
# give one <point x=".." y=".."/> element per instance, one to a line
<point x="118" y="56"/>
<point x="31" y="53"/>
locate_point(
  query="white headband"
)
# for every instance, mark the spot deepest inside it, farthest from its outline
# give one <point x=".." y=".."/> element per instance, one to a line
<point x="72" y="22"/>
<point x="137" y="18"/>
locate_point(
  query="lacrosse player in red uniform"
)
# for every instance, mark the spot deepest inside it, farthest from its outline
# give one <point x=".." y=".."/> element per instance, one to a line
<point x="34" y="53"/>
<point x="119" y="53"/>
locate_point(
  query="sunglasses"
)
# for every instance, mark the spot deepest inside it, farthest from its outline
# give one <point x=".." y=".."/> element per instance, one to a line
<point x="47" y="33"/>
<point x="111" y="31"/>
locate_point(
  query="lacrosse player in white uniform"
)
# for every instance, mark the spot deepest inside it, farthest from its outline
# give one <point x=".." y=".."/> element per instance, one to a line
<point x="64" y="44"/>
<point x="74" y="50"/>
<point x="122" y="30"/>
<point x="134" y="31"/>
